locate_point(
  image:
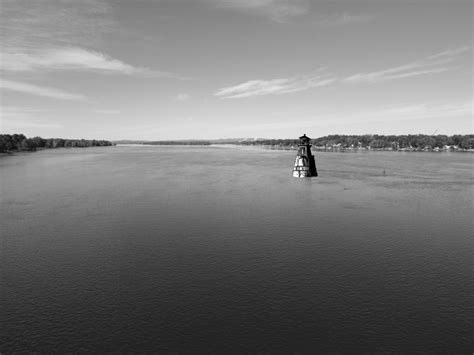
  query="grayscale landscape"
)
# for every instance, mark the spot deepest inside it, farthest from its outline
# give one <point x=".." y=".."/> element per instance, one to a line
<point x="148" y="198"/>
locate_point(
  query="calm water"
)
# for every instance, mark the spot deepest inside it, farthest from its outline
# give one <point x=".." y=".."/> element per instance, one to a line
<point x="178" y="249"/>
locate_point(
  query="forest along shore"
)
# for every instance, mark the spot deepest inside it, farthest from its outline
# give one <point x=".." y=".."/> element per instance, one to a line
<point x="418" y="142"/>
<point x="10" y="143"/>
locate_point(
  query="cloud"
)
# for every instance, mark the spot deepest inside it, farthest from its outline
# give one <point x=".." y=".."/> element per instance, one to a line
<point x="39" y="90"/>
<point x="182" y="97"/>
<point x="276" y="10"/>
<point x="58" y="35"/>
<point x="274" y="86"/>
<point x="433" y="64"/>
<point x="70" y="58"/>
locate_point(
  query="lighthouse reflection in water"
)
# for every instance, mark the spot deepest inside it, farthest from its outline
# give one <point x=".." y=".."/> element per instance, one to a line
<point x="305" y="165"/>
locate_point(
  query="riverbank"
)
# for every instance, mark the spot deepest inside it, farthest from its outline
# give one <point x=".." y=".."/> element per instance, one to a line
<point x="10" y="143"/>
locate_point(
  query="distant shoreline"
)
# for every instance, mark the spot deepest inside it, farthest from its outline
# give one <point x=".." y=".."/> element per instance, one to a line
<point x="410" y="142"/>
<point x="315" y="148"/>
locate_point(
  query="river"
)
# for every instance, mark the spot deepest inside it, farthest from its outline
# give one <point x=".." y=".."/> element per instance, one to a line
<point x="219" y="249"/>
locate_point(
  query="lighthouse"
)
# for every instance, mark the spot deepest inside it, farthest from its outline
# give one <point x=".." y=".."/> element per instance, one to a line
<point x="304" y="163"/>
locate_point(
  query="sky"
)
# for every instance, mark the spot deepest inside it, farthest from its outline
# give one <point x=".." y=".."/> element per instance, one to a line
<point x="208" y="69"/>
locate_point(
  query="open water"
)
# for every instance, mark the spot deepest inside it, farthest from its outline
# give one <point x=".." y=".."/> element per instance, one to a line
<point x="220" y="250"/>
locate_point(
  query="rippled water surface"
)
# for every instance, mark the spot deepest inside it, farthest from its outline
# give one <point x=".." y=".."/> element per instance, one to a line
<point x="189" y="249"/>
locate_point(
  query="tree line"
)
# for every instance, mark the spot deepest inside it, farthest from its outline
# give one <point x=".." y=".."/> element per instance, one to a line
<point x="18" y="142"/>
<point x="375" y="141"/>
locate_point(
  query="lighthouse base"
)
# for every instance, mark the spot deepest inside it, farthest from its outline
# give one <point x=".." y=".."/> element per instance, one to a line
<point x="301" y="172"/>
<point x="304" y="167"/>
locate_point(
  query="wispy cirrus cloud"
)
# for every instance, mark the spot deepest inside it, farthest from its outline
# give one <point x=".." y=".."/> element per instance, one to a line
<point x="43" y="91"/>
<point x="433" y="64"/>
<point x="71" y="59"/>
<point x="59" y="35"/>
<point x="276" y="10"/>
<point x="274" y="86"/>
